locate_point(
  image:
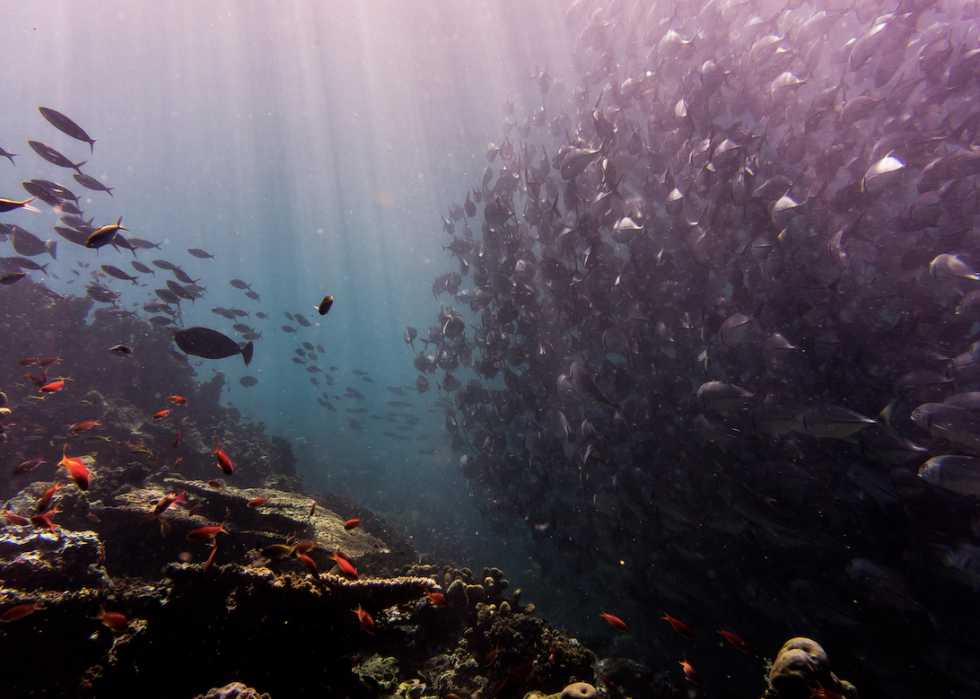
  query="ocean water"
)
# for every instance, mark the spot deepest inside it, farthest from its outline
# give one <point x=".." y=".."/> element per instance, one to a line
<point x="312" y="149"/>
<point x="315" y="148"/>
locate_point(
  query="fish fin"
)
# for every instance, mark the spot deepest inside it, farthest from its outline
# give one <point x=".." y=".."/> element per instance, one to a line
<point x="247" y="353"/>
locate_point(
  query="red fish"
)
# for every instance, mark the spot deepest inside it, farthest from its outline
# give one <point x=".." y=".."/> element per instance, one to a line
<point x="164" y="527"/>
<point x="15" y="519"/>
<point x="517" y="677"/>
<point x="345" y="566"/>
<point x="210" y="561"/>
<point x="215" y="483"/>
<point x="614" y="621"/>
<point x="76" y="469"/>
<point x="689" y="672"/>
<point x="224" y="463"/>
<point x="84" y="425"/>
<point x="179" y="400"/>
<point x="37" y="380"/>
<point x="257" y="502"/>
<point x="45" y="500"/>
<point x="734" y="640"/>
<point x="193" y="511"/>
<point x="351" y="524"/>
<point x="28" y="361"/>
<point x="308" y="562"/>
<point x="202" y="533"/>
<point x="367" y="623"/>
<point x="114" y="620"/>
<point x="160" y="415"/>
<point x="44" y="521"/>
<point x="305" y="546"/>
<point x="821" y="693"/>
<point x="679" y="626"/>
<point x="177" y="439"/>
<point x="20" y="611"/>
<point x="52" y="387"/>
<point x="491" y="656"/>
<point x="437" y="599"/>
<point x="28" y="466"/>
<point x="49" y="361"/>
<point x="163" y="504"/>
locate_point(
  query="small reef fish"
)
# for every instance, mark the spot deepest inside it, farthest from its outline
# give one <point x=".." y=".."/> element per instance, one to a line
<point x="76" y="469"/>
<point x="224" y="463"/>
<point x="614" y="621"/>
<point x="113" y="620"/>
<point x="367" y="623"/>
<point x="20" y="611"/>
<point x="202" y="533"/>
<point x="679" y="626"/>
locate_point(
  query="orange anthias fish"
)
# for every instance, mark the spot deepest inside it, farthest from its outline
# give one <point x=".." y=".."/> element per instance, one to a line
<point x="257" y="502"/>
<point x="28" y="466"/>
<point x="345" y="566"/>
<point x="114" y="620"/>
<point x="49" y="361"/>
<point x="351" y="524"/>
<point x="163" y="504"/>
<point x="689" y="672"/>
<point x="177" y="439"/>
<point x="366" y="621"/>
<point x="76" y="469"/>
<point x="210" y="561"/>
<point x="734" y="640"/>
<point x="436" y="598"/>
<point x="821" y="693"/>
<point x="679" y="626"/>
<point x="44" y="521"/>
<point x="45" y="499"/>
<point x="308" y="562"/>
<point x="202" y="533"/>
<point x="20" y="611"/>
<point x="84" y="425"/>
<point x="614" y="621"/>
<point x="517" y="677"/>
<point x="491" y="656"/>
<point x="15" y="519"/>
<point x="160" y="415"/>
<point x="224" y="463"/>
<point x="52" y="387"/>
<point x="179" y="400"/>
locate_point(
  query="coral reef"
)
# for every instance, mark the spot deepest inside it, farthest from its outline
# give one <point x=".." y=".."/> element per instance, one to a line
<point x="802" y="670"/>
<point x="235" y="690"/>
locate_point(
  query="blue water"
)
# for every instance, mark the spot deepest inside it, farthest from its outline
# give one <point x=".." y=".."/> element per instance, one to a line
<point x="312" y="148"/>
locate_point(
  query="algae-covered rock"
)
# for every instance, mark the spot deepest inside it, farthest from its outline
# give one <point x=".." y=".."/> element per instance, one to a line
<point x="33" y="559"/>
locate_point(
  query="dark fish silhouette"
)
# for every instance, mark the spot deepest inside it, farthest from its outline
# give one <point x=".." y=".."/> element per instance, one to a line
<point x="67" y="126"/>
<point x="210" y="344"/>
<point x="54" y="157"/>
<point x="91" y="183"/>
